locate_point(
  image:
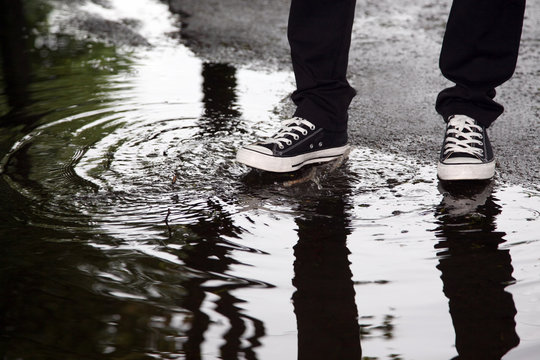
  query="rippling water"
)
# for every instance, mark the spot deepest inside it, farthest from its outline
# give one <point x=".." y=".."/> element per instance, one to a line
<point x="129" y="232"/>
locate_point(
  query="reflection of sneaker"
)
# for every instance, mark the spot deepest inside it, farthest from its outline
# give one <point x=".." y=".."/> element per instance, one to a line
<point x="466" y="153"/>
<point x="465" y="198"/>
<point x="296" y="144"/>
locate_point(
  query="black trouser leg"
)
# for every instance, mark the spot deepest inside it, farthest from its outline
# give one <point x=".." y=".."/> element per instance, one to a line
<point x="479" y="53"/>
<point x="320" y="35"/>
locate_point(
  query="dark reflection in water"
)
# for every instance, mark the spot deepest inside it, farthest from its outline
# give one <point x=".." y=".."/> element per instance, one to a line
<point x="219" y="89"/>
<point x="475" y="272"/>
<point x="324" y="305"/>
<point x="46" y="76"/>
<point x="52" y="309"/>
<point x="208" y="253"/>
<point x="62" y="300"/>
<point x="61" y="294"/>
<point x="15" y="52"/>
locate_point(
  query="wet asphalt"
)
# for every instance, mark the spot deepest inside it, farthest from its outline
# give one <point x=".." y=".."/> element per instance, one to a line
<point x="394" y="68"/>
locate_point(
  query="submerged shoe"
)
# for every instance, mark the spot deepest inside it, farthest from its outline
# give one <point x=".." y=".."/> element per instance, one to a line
<point x="296" y="144"/>
<point x="466" y="152"/>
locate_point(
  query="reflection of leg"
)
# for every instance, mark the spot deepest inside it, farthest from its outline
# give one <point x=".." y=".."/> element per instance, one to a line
<point x="209" y="256"/>
<point x="475" y="273"/>
<point x="324" y="301"/>
<point x="234" y="346"/>
<point x="479" y="53"/>
<point x="226" y="306"/>
<point x="482" y="312"/>
<point x="199" y="321"/>
<point x="319" y="35"/>
<point x="219" y="88"/>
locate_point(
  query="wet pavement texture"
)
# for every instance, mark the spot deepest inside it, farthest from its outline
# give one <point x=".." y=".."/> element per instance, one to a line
<point x="128" y="231"/>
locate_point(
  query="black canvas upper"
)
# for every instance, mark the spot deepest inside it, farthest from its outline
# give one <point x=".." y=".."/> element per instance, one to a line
<point x="314" y="140"/>
<point x="487" y="151"/>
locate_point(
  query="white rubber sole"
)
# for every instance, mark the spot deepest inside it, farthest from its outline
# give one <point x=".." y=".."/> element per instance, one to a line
<point x="271" y="163"/>
<point x="481" y="171"/>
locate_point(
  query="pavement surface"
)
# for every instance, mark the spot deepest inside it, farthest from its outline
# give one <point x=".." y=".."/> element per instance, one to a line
<point x="393" y="66"/>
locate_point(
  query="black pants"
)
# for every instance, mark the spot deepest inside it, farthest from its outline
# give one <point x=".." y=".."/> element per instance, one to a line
<point x="479" y="53"/>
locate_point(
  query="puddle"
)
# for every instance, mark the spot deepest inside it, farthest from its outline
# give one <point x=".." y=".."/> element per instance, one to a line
<point x="130" y="232"/>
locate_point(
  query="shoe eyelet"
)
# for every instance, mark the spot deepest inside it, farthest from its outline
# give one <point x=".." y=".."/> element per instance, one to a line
<point x="296" y="137"/>
<point x="304" y="132"/>
<point x="311" y="146"/>
<point x="289" y="142"/>
<point x="320" y="144"/>
<point x="312" y="127"/>
<point x="280" y="147"/>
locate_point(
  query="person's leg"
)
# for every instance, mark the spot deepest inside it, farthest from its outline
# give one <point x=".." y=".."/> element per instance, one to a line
<point x="479" y="53"/>
<point x="319" y="35"/>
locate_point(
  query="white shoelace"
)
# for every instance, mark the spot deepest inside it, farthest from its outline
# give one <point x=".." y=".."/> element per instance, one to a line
<point x="461" y="136"/>
<point x="290" y="127"/>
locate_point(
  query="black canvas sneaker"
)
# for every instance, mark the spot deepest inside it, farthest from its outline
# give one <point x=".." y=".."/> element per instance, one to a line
<point x="296" y="144"/>
<point x="466" y="153"/>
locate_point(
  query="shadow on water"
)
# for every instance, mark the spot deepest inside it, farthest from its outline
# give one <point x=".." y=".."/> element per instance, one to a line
<point x="475" y="272"/>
